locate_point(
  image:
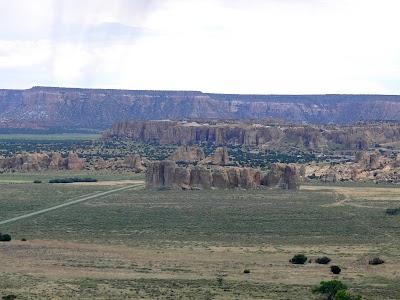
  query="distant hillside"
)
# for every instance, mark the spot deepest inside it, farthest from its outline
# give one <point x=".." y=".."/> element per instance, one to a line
<point x="48" y="107"/>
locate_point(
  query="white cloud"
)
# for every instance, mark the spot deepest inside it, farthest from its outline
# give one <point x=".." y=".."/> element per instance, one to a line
<point x="252" y="46"/>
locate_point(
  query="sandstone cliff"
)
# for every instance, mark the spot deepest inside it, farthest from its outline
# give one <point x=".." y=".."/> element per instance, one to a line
<point x="28" y="162"/>
<point x="168" y="175"/>
<point x="356" y="137"/>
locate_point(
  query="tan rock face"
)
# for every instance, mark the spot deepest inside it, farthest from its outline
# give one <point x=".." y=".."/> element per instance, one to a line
<point x="284" y="176"/>
<point x="134" y="161"/>
<point x="57" y="162"/>
<point x="167" y="175"/>
<point x="188" y="154"/>
<point x="220" y="157"/>
<point x="74" y="162"/>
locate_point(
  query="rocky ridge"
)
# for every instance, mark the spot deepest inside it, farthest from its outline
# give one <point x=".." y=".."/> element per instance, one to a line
<point x="47" y="107"/>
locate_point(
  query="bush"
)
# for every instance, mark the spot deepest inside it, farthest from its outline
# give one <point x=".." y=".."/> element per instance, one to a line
<point x="37" y="181"/>
<point x="247" y="271"/>
<point x="298" y="259"/>
<point x="323" y="260"/>
<point x="336" y="270"/>
<point x="376" y="261"/>
<point x="393" y="211"/>
<point x="5" y="237"/>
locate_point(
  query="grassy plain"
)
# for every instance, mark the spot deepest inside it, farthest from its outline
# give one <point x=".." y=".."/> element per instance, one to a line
<point x="196" y="244"/>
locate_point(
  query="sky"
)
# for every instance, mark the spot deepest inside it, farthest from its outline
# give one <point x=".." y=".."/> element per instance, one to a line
<point x="218" y="46"/>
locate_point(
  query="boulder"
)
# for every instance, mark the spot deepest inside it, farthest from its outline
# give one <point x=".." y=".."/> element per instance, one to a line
<point x="134" y="161"/>
<point x="284" y="176"/>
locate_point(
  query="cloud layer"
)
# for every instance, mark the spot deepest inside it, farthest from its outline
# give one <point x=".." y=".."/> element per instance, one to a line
<point x="302" y="46"/>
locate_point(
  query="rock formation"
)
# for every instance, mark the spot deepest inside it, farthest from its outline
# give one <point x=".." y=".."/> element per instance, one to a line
<point x="220" y="157"/>
<point x="168" y="175"/>
<point x="285" y="176"/>
<point x="134" y="161"/>
<point x="188" y="154"/>
<point x="45" y="107"/>
<point x="29" y="162"/>
<point x="353" y="137"/>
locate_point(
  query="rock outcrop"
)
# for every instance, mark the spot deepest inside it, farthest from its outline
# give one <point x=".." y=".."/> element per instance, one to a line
<point x="134" y="161"/>
<point x="37" y="162"/>
<point x="188" y="154"/>
<point x="168" y="175"/>
<point x="285" y="176"/>
<point x="352" y="137"/>
<point x="219" y="157"/>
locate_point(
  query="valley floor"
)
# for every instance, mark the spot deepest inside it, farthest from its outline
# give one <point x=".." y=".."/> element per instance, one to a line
<point x="197" y="244"/>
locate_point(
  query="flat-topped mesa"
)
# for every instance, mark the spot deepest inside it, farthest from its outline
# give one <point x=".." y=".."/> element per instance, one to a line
<point x="311" y="136"/>
<point x="186" y="133"/>
<point x="167" y="175"/>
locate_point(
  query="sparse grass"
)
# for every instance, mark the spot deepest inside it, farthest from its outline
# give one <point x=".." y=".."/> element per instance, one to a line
<point x="176" y="244"/>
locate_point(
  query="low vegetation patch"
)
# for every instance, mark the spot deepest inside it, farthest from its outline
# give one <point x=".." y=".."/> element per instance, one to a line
<point x="298" y="259"/>
<point x="323" y="260"/>
<point x="376" y="261"/>
<point x="393" y="211"/>
<point x="5" y="237"/>
<point x="336" y="270"/>
<point x="71" y="180"/>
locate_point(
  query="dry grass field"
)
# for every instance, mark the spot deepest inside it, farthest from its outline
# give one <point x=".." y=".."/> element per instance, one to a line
<point x="138" y="244"/>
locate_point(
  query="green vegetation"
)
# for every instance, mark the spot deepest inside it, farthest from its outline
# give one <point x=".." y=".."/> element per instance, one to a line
<point x="236" y="226"/>
<point x="72" y="180"/>
<point x="376" y="261"/>
<point x="336" y="270"/>
<point x="299" y="259"/>
<point x="5" y="237"/>
<point x="323" y="260"/>
<point x="334" y="290"/>
<point x="393" y="211"/>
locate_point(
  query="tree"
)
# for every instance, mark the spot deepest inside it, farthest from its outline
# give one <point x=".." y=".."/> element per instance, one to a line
<point x="298" y="259"/>
<point x="330" y="288"/>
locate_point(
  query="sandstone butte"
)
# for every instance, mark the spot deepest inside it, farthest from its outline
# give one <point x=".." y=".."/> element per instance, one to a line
<point x="167" y="175"/>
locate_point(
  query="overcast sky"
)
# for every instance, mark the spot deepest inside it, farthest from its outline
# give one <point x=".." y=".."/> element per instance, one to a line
<point x="221" y="46"/>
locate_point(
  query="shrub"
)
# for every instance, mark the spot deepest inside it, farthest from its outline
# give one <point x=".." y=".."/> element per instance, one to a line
<point x="336" y="270"/>
<point x="298" y="259"/>
<point x="9" y="297"/>
<point x="323" y="260"/>
<point x="23" y="239"/>
<point x="5" y="237"/>
<point x="393" y="211"/>
<point x="37" y="181"/>
<point x="246" y="271"/>
<point x="376" y="261"/>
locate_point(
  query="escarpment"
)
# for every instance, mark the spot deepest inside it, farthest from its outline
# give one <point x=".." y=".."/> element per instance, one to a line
<point x="168" y="175"/>
<point x="54" y="107"/>
<point x="355" y="137"/>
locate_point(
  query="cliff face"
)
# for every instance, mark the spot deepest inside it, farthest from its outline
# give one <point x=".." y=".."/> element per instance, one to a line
<point x="167" y="175"/>
<point x="362" y="136"/>
<point x="42" y="107"/>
